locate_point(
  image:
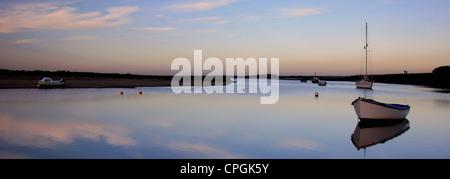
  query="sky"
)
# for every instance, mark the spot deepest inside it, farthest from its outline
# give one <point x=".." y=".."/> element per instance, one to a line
<point x="144" y="37"/>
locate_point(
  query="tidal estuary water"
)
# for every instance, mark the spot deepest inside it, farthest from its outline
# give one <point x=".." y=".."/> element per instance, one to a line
<point x="101" y="123"/>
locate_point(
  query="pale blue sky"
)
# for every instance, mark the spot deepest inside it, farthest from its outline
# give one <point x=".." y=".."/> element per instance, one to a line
<point x="135" y="36"/>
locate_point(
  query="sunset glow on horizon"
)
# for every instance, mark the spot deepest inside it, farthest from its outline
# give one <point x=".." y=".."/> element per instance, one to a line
<point x="144" y="37"/>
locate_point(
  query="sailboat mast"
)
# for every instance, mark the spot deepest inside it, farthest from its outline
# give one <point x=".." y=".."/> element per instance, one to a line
<point x="366" y="50"/>
<point x="365" y="83"/>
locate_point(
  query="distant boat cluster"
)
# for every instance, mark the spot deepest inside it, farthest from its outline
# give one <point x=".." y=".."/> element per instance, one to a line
<point x="315" y="79"/>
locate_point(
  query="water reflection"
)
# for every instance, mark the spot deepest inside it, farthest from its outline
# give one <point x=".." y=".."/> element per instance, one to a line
<point x="101" y="123"/>
<point x="202" y="150"/>
<point x="442" y="103"/>
<point x="43" y="133"/>
<point x="371" y="132"/>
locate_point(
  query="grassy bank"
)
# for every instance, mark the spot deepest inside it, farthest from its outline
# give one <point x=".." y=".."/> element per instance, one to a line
<point x="28" y="79"/>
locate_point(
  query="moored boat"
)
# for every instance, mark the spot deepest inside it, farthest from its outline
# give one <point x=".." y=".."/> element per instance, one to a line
<point x="48" y="82"/>
<point x="322" y="83"/>
<point x="315" y="79"/>
<point x="371" y="109"/>
<point x="365" y="83"/>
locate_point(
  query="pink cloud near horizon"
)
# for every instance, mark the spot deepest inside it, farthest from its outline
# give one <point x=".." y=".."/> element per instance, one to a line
<point x="26" y="41"/>
<point x="194" y="6"/>
<point x="45" y="16"/>
<point x="154" y="28"/>
<point x="299" y="12"/>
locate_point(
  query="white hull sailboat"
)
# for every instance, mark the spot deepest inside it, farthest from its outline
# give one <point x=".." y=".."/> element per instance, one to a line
<point x="365" y="83"/>
<point x="371" y="109"/>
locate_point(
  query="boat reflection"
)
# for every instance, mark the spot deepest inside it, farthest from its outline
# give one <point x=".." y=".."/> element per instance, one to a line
<point x="371" y="132"/>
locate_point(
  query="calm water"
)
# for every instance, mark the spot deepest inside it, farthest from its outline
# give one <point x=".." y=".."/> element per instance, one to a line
<point x="101" y="123"/>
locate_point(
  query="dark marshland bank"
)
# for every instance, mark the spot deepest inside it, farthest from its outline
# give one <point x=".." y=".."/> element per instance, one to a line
<point x="438" y="78"/>
<point x="28" y="79"/>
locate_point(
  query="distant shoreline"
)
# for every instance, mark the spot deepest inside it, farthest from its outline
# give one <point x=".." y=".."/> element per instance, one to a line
<point x="14" y="79"/>
<point x="423" y="79"/>
<point x="11" y="82"/>
<point x="28" y="79"/>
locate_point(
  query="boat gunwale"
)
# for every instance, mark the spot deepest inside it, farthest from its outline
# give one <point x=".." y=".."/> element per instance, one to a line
<point x="406" y="107"/>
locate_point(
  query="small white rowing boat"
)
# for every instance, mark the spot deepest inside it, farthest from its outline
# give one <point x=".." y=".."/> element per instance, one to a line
<point x="48" y="82"/>
<point x="371" y="109"/>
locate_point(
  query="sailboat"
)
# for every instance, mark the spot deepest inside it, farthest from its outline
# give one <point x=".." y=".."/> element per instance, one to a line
<point x="365" y="83"/>
<point x="315" y="79"/>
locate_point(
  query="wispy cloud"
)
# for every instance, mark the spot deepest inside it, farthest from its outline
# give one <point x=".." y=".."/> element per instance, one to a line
<point x="155" y="28"/>
<point x="199" y="5"/>
<point x="211" y="31"/>
<point x="26" y="41"/>
<point x="232" y="34"/>
<point x="222" y="22"/>
<point x="42" y="16"/>
<point x="79" y="38"/>
<point x="299" y="12"/>
<point x="200" y="19"/>
<point x="248" y="17"/>
<point x="214" y="20"/>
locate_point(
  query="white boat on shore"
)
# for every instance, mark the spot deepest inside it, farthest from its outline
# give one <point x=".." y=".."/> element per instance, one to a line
<point x="371" y="109"/>
<point x="48" y="82"/>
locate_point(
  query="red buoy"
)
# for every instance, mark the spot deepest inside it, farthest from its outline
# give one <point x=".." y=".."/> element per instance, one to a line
<point x="140" y="92"/>
<point x="121" y="93"/>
